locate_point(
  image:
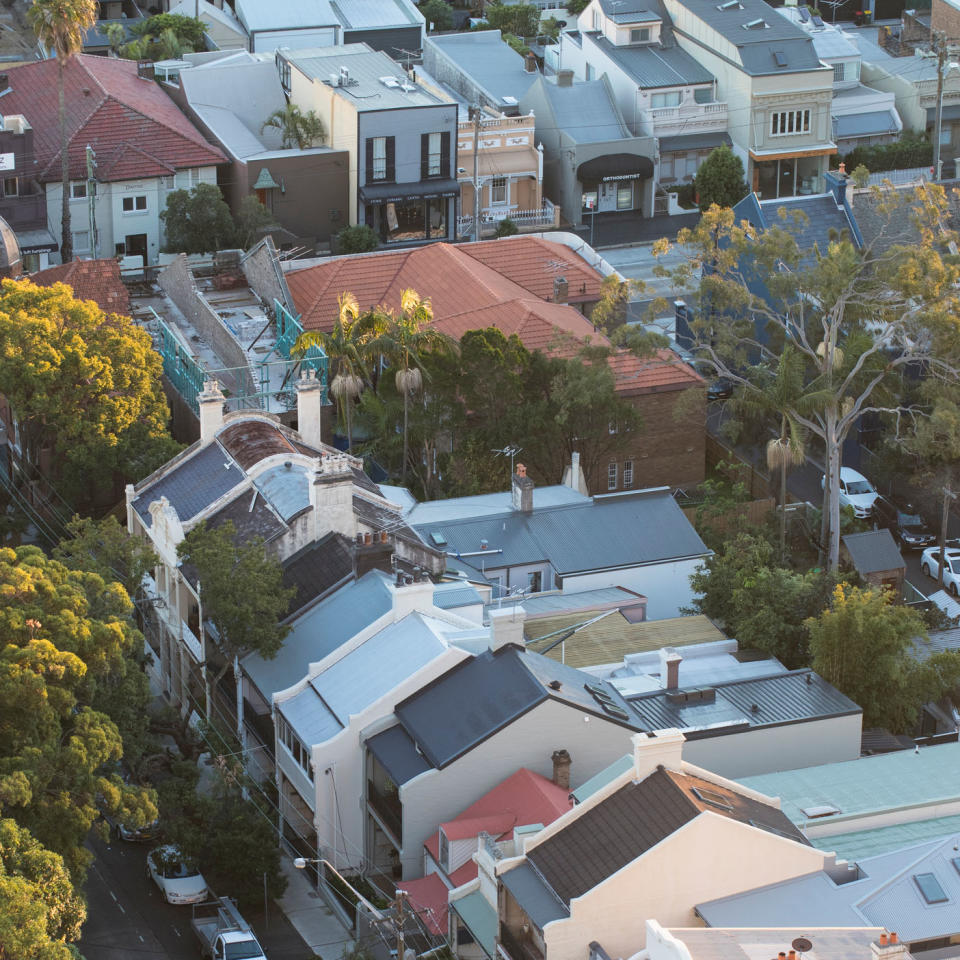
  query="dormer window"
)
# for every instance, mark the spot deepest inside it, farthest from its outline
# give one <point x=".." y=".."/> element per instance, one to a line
<point x="640" y="35"/>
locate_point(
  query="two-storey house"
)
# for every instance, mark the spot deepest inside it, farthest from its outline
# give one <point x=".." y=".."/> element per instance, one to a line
<point x="401" y="138"/>
<point x="660" y="88"/>
<point x="776" y="87"/>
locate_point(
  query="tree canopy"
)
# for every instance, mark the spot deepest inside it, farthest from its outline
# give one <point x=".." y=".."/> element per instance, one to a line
<point x="297" y="128"/>
<point x="720" y="179"/>
<point x="357" y="239"/>
<point x="83" y="384"/>
<point x="437" y="13"/>
<point x="197" y="220"/>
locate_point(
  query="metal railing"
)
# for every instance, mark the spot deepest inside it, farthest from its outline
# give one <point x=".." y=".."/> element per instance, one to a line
<point x="547" y="215"/>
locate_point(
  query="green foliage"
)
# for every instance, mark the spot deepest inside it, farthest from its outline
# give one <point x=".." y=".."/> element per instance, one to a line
<point x="610" y="311"/>
<point x="40" y="911"/>
<point x="515" y="43"/>
<point x="910" y="150"/>
<point x="860" y="176"/>
<point x="550" y="28"/>
<point x="197" y="221"/>
<point x="576" y="7"/>
<point x="60" y="25"/>
<point x="243" y="592"/>
<point x="187" y="32"/>
<point x="438" y="13"/>
<point x="357" y="239"/>
<point x="507" y="228"/>
<point x="116" y="36"/>
<point x="83" y="384"/>
<point x="521" y="19"/>
<point x="297" y="129"/>
<point x="252" y="219"/>
<point x="686" y="194"/>
<point x="861" y="644"/>
<point x="720" y="179"/>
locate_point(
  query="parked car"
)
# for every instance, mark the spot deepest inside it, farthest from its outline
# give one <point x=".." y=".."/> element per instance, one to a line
<point x="930" y="565"/>
<point x="223" y="933"/>
<point x="178" y="879"/>
<point x="909" y="529"/>
<point x="856" y="491"/>
<point x="720" y="388"/>
<point x="121" y="831"/>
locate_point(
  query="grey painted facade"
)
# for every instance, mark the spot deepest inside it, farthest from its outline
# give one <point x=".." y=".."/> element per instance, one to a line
<point x="391" y="40"/>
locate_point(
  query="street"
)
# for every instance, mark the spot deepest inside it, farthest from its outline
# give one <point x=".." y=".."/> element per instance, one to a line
<point x="638" y="263"/>
<point x="127" y="916"/>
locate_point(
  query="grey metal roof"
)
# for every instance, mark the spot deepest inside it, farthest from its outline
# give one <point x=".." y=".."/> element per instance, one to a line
<point x="469" y="703"/>
<point x="808" y="219"/>
<point x="586" y="112"/>
<point x="694" y="141"/>
<point x="364" y="92"/>
<point x="491" y="64"/>
<point x="629" y="11"/>
<point x="286" y="14"/>
<point x="871" y="124"/>
<point x="601" y="779"/>
<point x="319" y="630"/>
<point x="598" y="534"/>
<point x="757" y="46"/>
<point x="652" y="66"/>
<point x="938" y="641"/>
<point x="449" y="596"/>
<point x="361" y="678"/>
<point x="545" y="604"/>
<point x="860" y="844"/>
<point x="489" y="504"/>
<point x="873" y="551"/>
<point x="287" y="488"/>
<point x="706" y="943"/>
<point x="530" y="890"/>
<point x="193" y="484"/>
<point x="367" y="14"/>
<point x="398" y="754"/>
<point x="785" y="698"/>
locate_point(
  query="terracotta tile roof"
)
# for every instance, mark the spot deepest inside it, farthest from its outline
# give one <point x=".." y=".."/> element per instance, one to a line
<point x="135" y="129"/>
<point x="470" y="294"/>
<point x="533" y="263"/>
<point x="97" y="280"/>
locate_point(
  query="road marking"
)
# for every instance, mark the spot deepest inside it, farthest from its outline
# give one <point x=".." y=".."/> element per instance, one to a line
<point x="120" y="905"/>
<point x="112" y="894"/>
<point x="177" y="932"/>
<point x="141" y="939"/>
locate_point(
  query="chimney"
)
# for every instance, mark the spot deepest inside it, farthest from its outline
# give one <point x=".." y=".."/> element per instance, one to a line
<point x="530" y="63"/>
<point x="670" y="661"/>
<point x="522" y="488"/>
<point x="565" y="78"/>
<point x="660" y="747"/>
<point x="415" y="594"/>
<point x="561" y="289"/>
<point x="506" y="626"/>
<point x="309" y="405"/>
<point x="211" y="402"/>
<point x="331" y="495"/>
<point x="573" y="475"/>
<point x="889" y="949"/>
<point x="4" y="82"/>
<point x="561" y="769"/>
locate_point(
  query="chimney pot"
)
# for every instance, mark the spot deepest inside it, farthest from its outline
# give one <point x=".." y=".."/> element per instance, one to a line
<point x="561" y="290"/>
<point x="565" y="78"/>
<point x="561" y="769"/>
<point x="383" y="536"/>
<point x="883" y="939"/>
<point x="893" y="937"/>
<point x="792" y="955"/>
<point x="367" y="538"/>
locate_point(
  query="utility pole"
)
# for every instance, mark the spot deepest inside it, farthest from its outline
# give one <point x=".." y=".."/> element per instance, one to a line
<point x="399" y="924"/>
<point x="476" y="173"/>
<point x="92" y="197"/>
<point x="940" y="47"/>
<point x="948" y="497"/>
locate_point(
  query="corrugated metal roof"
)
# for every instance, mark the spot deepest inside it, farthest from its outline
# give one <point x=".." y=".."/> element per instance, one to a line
<point x="601" y="779"/>
<point x="398" y="754"/>
<point x="319" y="631"/>
<point x="544" y="605"/>
<point x="310" y="718"/>
<point x="858" y="845"/>
<point x="533" y="894"/>
<point x="694" y="141"/>
<point x="586" y="111"/>
<point x="365" y="14"/>
<point x="868" y="784"/>
<point x="653" y="66"/>
<point x="193" y="484"/>
<point x="287" y="488"/>
<point x="450" y="595"/>
<point x="939" y="641"/>
<point x="480" y="916"/>
<point x="484" y="58"/>
<point x="489" y="504"/>
<point x="285" y="14"/>
<point x="873" y="551"/>
<point x="871" y="124"/>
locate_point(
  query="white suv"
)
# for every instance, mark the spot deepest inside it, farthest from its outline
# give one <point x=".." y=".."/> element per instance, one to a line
<point x="930" y="565"/>
<point x="855" y="491"/>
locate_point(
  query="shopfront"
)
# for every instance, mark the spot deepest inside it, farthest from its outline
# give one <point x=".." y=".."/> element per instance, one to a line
<point x="788" y="175"/>
<point x="614" y="183"/>
<point x="411" y="212"/>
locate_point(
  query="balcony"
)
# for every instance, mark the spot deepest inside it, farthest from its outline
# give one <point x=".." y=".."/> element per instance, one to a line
<point x="546" y="218"/>
<point x="388" y="810"/>
<point x="688" y="117"/>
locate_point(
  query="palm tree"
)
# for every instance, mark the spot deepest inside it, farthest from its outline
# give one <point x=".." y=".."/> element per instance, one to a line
<point x="348" y="344"/>
<point x="297" y="129"/>
<point x="60" y="26"/>
<point x="408" y="337"/>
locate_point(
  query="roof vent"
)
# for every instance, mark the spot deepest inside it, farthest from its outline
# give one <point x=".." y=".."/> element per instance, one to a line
<point x="554" y="684"/>
<point x="758" y="24"/>
<point x="390" y="82"/>
<point x="730" y="5"/>
<point x="509" y="101"/>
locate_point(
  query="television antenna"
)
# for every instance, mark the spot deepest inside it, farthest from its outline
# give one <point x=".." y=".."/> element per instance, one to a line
<point x="510" y="450"/>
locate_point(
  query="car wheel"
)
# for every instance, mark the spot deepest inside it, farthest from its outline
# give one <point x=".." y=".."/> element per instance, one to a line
<point x="926" y="569"/>
<point x="953" y="588"/>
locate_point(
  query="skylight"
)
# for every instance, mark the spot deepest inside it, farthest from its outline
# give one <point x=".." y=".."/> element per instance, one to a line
<point x="930" y="887"/>
<point x="730" y="5"/>
<point x="780" y="58"/>
<point x="758" y="24"/>
<point x="714" y="799"/>
<point x="820" y="810"/>
<point x="438" y="538"/>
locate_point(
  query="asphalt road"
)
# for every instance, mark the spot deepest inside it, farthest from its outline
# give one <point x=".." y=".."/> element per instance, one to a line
<point x="127" y="916"/>
<point x="638" y="263"/>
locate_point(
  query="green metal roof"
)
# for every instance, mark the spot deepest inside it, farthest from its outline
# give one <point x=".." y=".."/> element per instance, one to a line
<point x="479" y="915"/>
<point x="601" y="779"/>
<point x="871" y="843"/>
<point x="887" y="781"/>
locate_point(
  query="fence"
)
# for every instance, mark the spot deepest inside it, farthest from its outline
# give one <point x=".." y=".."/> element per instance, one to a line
<point x="547" y="216"/>
<point x="757" y="483"/>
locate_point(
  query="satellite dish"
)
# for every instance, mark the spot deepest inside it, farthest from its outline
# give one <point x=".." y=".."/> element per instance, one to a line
<point x="802" y="945"/>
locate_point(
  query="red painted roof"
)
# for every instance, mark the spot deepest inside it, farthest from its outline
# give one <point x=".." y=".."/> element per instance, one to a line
<point x="471" y="287"/>
<point x="428" y="897"/>
<point x="134" y="128"/>
<point x="97" y="280"/>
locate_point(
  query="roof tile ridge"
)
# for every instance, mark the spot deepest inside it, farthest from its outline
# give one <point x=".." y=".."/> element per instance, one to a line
<point x="82" y="59"/>
<point x="481" y="273"/>
<point x="81" y="65"/>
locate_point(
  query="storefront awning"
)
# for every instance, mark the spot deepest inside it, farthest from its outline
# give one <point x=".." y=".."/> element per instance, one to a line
<point x="36" y="241"/>
<point x="874" y="123"/>
<point x="615" y="166"/>
<point x="398" y="192"/>
<point x="694" y="141"/>
<point x="950" y="112"/>
<point x="793" y="154"/>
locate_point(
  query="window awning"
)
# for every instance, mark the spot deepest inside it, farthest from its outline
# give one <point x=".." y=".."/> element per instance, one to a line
<point x="950" y="112"/>
<point x="398" y="192"/>
<point x="616" y="166"/>
<point x="36" y="241"/>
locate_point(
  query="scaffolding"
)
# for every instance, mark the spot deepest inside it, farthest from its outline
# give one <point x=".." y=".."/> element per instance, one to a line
<point x="263" y="383"/>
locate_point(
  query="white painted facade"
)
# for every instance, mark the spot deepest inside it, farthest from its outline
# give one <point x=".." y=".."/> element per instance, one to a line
<point x="126" y="212"/>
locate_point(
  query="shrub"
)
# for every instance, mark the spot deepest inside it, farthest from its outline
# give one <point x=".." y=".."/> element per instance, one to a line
<point x="358" y="239"/>
<point x="909" y="151"/>
<point x="507" y="228"/>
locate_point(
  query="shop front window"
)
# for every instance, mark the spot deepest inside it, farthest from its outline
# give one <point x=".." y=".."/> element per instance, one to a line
<point x="625" y="196"/>
<point x="411" y="220"/>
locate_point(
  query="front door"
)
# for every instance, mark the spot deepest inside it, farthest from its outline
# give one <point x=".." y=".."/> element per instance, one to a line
<point x="607" y="201"/>
<point x="136" y="245"/>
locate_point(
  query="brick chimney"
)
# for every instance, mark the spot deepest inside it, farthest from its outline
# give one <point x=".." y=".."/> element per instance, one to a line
<point x="561" y="290"/>
<point x="565" y="78"/>
<point x="331" y="495"/>
<point x="670" y="661"/>
<point x="506" y="626"/>
<point x="561" y="768"/>
<point x="211" y="402"/>
<point x="309" y="407"/>
<point x="889" y="948"/>
<point x="522" y="489"/>
<point x="530" y="63"/>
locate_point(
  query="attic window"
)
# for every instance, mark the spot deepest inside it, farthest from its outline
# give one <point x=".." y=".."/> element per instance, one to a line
<point x="820" y="810"/>
<point x="758" y="24"/>
<point x="610" y="706"/>
<point x="714" y="799"/>
<point x="930" y="887"/>
<point x="730" y="5"/>
<point x="780" y="58"/>
<point x="438" y="538"/>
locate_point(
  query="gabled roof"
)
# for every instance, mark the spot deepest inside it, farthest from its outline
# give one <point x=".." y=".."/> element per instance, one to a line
<point x="587" y="112"/>
<point x="653" y="66"/>
<point x="97" y="280"/>
<point x="632" y="820"/>
<point x="874" y="551"/>
<point x="134" y="128"/>
<point x="810" y="220"/>
<point x="317" y="568"/>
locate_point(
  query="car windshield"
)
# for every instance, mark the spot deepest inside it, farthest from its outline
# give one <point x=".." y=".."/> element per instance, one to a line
<point x="910" y="520"/>
<point x="177" y="870"/>
<point x="857" y="487"/>
<point x="243" y="950"/>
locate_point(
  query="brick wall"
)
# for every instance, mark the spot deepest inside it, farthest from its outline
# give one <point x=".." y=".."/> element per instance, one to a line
<point x="670" y="449"/>
<point x="945" y="16"/>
